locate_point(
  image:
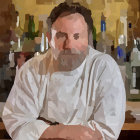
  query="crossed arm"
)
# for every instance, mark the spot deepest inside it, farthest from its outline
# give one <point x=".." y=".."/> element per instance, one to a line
<point x="70" y="132"/>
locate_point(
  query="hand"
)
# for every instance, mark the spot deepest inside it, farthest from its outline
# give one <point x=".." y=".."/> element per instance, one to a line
<point x="77" y="132"/>
<point x="52" y="133"/>
<point x="70" y="132"/>
<point x="52" y="139"/>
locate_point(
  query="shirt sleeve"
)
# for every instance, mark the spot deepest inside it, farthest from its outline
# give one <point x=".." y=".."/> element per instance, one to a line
<point x="22" y="108"/>
<point x="110" y="101"/>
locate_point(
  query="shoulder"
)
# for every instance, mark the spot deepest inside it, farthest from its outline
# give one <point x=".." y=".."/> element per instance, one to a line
<point x="100" y="58"/>
<point x="35" y="66"/>
<point x="102" y="63"/>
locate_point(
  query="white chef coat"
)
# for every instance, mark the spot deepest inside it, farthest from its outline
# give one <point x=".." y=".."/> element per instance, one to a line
<point x="92" y="94"/>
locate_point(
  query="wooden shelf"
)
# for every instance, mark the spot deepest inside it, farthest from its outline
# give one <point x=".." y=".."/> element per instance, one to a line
<point x="2" y="127"/>
<point x="131" y="126"/>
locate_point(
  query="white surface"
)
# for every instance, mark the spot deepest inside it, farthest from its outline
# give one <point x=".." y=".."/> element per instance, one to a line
<point x="134" y="91"/>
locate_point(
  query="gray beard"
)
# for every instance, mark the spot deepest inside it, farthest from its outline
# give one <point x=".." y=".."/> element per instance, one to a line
<point x="68" y="61"/>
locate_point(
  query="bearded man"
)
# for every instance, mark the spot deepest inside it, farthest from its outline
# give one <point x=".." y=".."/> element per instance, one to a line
<point x="72" y="92"/>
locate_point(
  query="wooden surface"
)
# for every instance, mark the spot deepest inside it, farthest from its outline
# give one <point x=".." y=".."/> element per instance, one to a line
<point x="2" y="126"/>
<point x="131" y="126"/>
<point x="126" y="126"/>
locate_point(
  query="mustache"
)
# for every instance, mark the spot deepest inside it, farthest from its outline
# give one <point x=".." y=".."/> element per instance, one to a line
<point x="69" y="52"/>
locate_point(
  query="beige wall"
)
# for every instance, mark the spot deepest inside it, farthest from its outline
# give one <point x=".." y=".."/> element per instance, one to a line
<point x="111" y="9"/>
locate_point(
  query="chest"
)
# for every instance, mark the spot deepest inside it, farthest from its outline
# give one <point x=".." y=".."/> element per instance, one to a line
<point x="68" y="99"/>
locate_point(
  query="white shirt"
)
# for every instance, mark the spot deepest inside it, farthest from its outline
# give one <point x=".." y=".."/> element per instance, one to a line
<point x="92" y="94"/>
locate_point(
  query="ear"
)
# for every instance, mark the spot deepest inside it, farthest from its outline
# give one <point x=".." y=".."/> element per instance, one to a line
<point x="48" y="36"/>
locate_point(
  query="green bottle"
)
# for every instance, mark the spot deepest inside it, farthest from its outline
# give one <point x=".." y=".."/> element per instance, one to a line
<point x="94" y="37"/>
<point x="31" y="28"/>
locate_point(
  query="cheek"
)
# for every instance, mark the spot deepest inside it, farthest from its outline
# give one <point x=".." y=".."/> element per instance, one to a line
<point x="81" y="44"/>
<point x="58" y="43"/>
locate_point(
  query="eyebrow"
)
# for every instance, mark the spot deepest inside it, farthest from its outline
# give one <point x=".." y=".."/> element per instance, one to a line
<point x="61" y="34"/>
<point x="76" y="34"/>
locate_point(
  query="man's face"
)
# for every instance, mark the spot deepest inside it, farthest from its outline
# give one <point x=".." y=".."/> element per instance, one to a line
<point x="69" y="40"/>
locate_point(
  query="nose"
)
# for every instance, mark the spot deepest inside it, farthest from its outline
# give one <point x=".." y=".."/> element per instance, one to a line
<point x="68" y="43"/>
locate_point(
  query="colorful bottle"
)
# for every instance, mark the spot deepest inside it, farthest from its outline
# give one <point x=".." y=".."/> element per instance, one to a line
<point x="104" y="44"/>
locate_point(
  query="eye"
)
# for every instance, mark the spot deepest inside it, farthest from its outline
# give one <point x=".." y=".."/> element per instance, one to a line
<point x="60" y="35"/>
<point x="76" y="36"/>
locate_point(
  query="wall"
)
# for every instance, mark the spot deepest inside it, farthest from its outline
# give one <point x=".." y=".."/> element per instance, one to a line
<point x="30" y="7"/>
<point x="111" y="9"/>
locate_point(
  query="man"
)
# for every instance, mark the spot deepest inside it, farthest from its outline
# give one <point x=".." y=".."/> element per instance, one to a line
<point x="72" y="92"/>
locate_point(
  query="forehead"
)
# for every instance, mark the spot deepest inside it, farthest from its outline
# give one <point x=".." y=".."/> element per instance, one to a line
<point x="70" y="23"/>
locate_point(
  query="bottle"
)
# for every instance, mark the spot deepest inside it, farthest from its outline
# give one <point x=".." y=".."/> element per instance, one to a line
<point x="26" y="23"/>
<point x="47" y="44"/>
<point x="134" y="77"/>
<point x="121" y="53"/>
<point x="135" y="61"/>
<point x="94" y="37"/>
<point x="31" y="28"/>
<point x="104" y="44"/>
<point x="42" y="46"/>
<point x="40" y="28"/>
<point x="11" y="59"/>
<point x="18" y="31"/>
<point x="134" y="91"/>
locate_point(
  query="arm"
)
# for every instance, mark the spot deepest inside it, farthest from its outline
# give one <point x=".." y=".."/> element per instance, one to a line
<point x="68" y="132"/>
<point x="109" y="111"/>
<point x="22" y="108"/>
